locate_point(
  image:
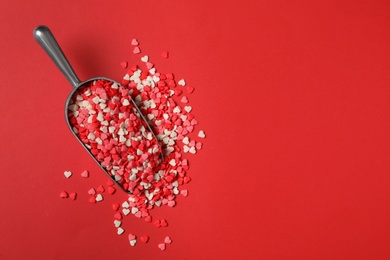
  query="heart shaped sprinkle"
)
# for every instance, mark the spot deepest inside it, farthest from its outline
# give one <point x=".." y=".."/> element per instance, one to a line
<point x="92" y="191"/>
<point x="161" y="246"/>
<point x="118" y="216"/>
<point x="190" y="89"/>
<point x="132" y="236"/>
<point x="134" y="42"/>
<point x="181" y="82"/>
<point x="72" y="195"/>
<point x="164" y="223"/>
<point x="157" y="223"/>
<point x="167" y="240"/>
<point x="188" y="108"/>
<point x="85" y="174"/>
<point x="126" y="211"/>
<point x="111" y="190"/>
<point x="67" y="174"/>
<point x="100" y="189"/>
<point x="120" y="231"/>
<point x="115" y="206"/>
<point x="145" y="58"/>
<point x="144" y="238"/>
<point x="64" y="194"/>
<point x="117" y="223"/>
<point x="201" y="134"/>
<point x="133" y="242"/>
<point x="184" y="193"/>
<point x="124" y="64"/>
<point x="165" y="54"/>
<point x="149" y="65"/>
<point x="148" y="219"/>
<point x="184" y="100"/>
<point x="99" y="197"/>
<point x="136" y="50"/>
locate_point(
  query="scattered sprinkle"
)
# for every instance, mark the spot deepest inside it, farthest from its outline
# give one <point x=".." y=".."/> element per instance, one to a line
<point x="85" y="174"/>
<point x="67" y="174"/>
<point x="165" y="54"/>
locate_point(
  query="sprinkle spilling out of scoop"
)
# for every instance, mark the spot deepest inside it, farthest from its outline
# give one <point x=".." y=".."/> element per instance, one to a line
<point x="103" y="117"/>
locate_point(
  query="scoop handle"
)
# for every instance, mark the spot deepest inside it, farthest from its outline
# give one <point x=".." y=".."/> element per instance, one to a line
<point x="46" y="40"/>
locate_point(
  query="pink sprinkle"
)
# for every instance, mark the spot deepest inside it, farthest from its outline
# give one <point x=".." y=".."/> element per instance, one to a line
<point x="92" y="191"/>
<point x="132" y="236"/>
<point x="134" y="42"/>
<point x="136" y="50"/>
<point x="167" y="240"/>
<point x="85" y="174"/>
<point x="149" y="65"/>
<point x="161" y="246"/>
<point x="184" y="193"/>
<point x="171" y="203"/>
<point x="184" y="100"/>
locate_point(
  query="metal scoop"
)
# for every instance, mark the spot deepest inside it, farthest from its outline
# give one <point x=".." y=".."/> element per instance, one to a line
<point x="46" y="40"/>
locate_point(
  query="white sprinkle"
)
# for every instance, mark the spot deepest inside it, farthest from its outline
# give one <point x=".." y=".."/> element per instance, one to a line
<point x="126" y="211"/>
<point x="99" y="197"/>
<point x="125" y="204"/>
<point x="68" y="174"/>
<point x="111" y="129"/>
<point x="181" y="82"/>
<point x="133" y="242"/>
<point x="192" y="150"/>
<point x="91" y="136"/>
<point x="125" y="102"/>
<point x="188" y="108"/>
<point x="134" y="210"/>
<point x="120" y="231"/>
<point x="202" y="134"/>
<point x="172" y="162"/>
<point x="117" y="223"/>
<point x="176" y="109"/>
<point x="186" y="140"/>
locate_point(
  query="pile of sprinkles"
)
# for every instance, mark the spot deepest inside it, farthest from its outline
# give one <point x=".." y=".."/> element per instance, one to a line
<point x="103" y="116"/>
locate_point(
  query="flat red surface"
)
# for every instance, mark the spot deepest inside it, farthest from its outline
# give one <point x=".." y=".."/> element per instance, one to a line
<point x="293" y="97"/>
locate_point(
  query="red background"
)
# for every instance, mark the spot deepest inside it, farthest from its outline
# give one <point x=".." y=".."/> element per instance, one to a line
<point x="293" y="97"/>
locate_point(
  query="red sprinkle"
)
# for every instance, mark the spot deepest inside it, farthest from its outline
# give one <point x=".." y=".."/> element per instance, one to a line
<point x="64" y="194"/>
<point x="165" y="54"/>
